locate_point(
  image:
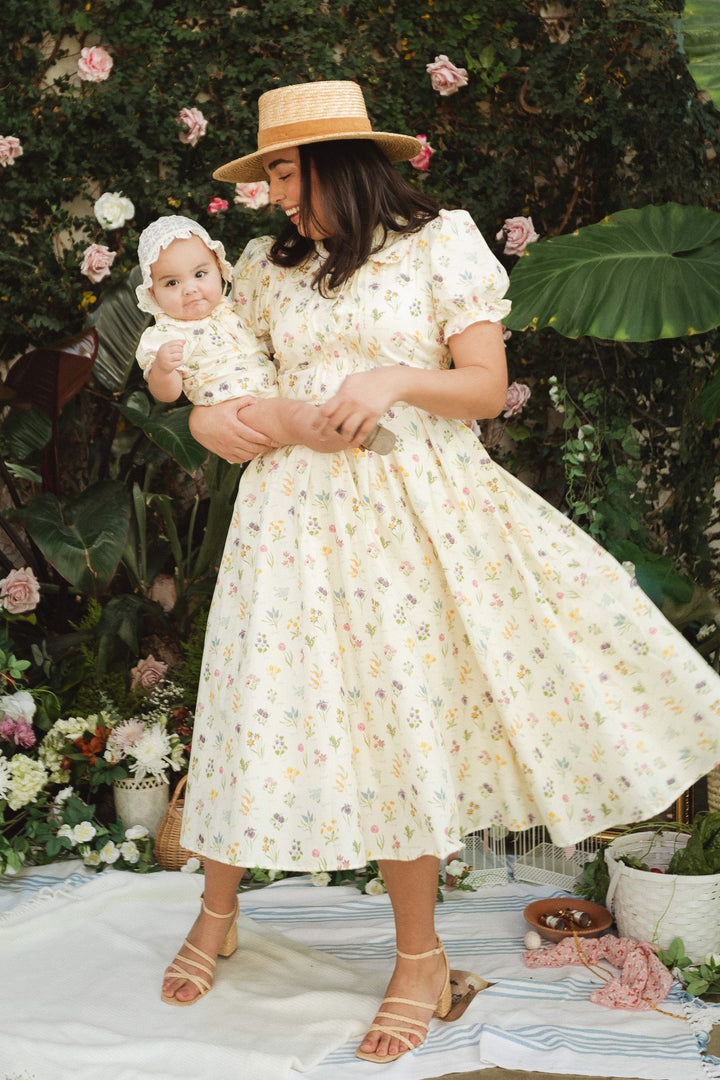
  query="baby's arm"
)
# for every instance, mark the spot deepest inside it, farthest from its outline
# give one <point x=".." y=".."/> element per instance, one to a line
<point x="164" y="378"/>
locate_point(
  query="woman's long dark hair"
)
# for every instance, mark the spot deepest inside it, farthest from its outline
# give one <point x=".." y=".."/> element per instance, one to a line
<point x="360" y="192"/>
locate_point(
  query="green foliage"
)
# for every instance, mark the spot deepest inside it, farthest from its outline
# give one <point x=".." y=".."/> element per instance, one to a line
<point x="166" y="427"/>
<point x="84" y="539"/>
<point x="42" y="833"/>
<point x="701" y="41"/>
<point x="702" y="853"/>
<point x="638" y="275"/>
<point x="701" y="980"/>
<point x="595" y="879"/>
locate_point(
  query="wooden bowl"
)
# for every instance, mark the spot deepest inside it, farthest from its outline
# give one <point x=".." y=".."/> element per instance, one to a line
<point x="600" y="917"/>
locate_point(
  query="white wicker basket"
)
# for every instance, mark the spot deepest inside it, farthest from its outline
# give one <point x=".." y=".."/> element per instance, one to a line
<point x="660" y="907"/>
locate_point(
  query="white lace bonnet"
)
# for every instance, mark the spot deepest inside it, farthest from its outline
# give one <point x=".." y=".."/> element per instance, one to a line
<point x="159" y="235"/>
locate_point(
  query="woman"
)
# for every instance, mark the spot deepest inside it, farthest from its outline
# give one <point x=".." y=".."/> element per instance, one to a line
<point x="404" y="649"/>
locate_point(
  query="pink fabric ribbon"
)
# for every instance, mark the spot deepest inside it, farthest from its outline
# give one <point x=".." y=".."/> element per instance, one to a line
<point x="643" y="980"/>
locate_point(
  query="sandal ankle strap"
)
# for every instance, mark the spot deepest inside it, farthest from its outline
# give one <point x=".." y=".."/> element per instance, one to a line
<point x="421" y="956"/>
<point x="215" y="914"/>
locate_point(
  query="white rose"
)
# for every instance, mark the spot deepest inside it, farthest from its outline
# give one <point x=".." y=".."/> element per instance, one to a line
<point x="191" y="865"/>
<point x="110" y="853"/>
<point x="18" y="706"/>
<point x="129" y="851"/>
<point x="321" y="878"/>
<point x="375" y="887"/>
<point x="113" y="210"/>
<point x="136" y="832"/>
<point x="91" y="858"/>
<point x="84" y="832"/>
<point x="456" y="868"/>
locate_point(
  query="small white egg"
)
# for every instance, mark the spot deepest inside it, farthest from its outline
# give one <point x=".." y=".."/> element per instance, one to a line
<point x="533" y="940"/>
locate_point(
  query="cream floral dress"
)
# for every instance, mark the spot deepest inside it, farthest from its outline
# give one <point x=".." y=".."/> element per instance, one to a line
<point x="403" y="649"/>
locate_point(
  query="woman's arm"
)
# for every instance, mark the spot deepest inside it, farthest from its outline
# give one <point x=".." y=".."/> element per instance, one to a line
<point x="474" y="389"/>
<point x="240" y="429"/>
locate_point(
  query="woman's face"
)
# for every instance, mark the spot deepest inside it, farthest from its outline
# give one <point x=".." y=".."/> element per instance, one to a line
<point x="284" y="176"/>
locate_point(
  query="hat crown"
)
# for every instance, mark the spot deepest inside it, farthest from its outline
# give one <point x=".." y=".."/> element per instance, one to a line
<point x="305" y="103"/>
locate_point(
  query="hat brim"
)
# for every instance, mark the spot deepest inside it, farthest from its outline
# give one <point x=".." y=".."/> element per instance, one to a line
<point x="250" y="167"/>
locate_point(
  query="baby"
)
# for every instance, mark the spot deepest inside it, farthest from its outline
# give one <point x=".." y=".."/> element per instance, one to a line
<point x="198" y="346"/>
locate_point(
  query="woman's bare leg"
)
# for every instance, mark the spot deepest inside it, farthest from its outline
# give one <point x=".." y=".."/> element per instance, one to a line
<point x="412" y="887"/>
<point x="208" y="934"/>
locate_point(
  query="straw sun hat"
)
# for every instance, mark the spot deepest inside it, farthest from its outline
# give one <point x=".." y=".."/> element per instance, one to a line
<point x="311" y="113"/>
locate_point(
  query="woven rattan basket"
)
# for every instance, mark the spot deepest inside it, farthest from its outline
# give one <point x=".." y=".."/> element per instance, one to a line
<point x="168" y="852"/>
<point x="713" y="789"/>
<point x="660" y="907"/>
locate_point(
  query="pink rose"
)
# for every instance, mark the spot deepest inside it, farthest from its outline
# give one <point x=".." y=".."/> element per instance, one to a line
<point x="518" y="233"/>
<point x="162" y="591"/>
<point x="517" y="396"/>
<point x="445" y="77"/>
<point x="421" y="161"/>
<point x="19" y="591"/>
<point x="10" y="148"/>
<point x="19" y="732"/>
<point x="94" y="64"/>
<point x="97" y="260"/>
<point x="253" y="195"/>
<point x="148" y="673"/>
<point x="195" y="123"/>
<point x="216" y="206"/>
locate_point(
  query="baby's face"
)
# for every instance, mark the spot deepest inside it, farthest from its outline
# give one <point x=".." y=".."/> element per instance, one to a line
<point x="186" y="279"/>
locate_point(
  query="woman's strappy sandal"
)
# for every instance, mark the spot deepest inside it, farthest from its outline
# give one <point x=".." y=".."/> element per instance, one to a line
<point x="404" y="1025"/>
<point x="206" y="964"/>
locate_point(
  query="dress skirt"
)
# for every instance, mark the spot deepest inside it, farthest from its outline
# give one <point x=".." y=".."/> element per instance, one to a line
<point x="405" y="649"/>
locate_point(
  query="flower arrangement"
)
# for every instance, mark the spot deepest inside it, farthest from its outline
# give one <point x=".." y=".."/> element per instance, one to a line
<point x="106" y="746"/>
<point x="41" y="751"/>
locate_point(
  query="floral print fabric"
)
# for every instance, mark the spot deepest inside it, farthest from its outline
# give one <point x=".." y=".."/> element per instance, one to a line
<point x="222" y="359"/>
<point x="408" y="648"/>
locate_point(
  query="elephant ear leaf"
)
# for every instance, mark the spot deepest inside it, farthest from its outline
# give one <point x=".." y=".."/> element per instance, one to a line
<point x="701" y="43"/>
<point x="168" y="428"/>
<point x="119" y="323"/>
<point x="638" y="275"/>
<point x="84" y="539"/>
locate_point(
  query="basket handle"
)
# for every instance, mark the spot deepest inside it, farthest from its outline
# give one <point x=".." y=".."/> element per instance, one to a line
<point x="176" y="793"/>
<point x="615" y="871"/>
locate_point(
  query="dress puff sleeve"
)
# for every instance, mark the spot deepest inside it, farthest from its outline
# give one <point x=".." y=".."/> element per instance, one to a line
<point x="152" y="338"/>
<point x="468" y="282"/>
<point x="251" y="284"/>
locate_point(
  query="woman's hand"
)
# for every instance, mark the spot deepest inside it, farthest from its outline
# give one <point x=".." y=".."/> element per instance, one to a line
<point x="360" y="402"/>
<point x="473" y="389"/>
<point x="220" y="429"/>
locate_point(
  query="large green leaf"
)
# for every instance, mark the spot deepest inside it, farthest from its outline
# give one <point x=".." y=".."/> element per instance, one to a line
<point x="638" y="275"/>
<point x="168" y="428"/>
<point x="25" y="430"/>
<point x="119" y="323"/>
<point x="701" y="42"/>
<point x="84" y="539"/>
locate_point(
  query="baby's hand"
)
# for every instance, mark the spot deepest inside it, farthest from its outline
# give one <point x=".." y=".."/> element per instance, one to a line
<point x="169" y="356"/>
